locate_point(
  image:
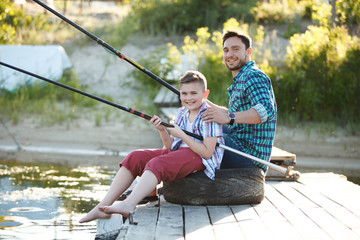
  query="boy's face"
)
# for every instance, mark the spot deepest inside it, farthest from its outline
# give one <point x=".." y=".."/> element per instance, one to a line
<point x="192" y="95"/>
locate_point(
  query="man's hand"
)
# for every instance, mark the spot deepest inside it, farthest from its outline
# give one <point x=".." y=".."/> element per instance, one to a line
<point x="216" y="114"/>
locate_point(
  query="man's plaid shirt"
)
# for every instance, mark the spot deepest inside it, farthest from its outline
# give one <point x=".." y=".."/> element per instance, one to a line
<point x="251" y="88"/>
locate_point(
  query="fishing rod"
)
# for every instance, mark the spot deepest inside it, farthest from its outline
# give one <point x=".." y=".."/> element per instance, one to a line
<point x="145" y="116"/>
<point x="109" y="48"/>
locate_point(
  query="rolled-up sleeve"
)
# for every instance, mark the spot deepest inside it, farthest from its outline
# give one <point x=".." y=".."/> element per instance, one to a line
<point x="260" y="109"/>
<point x="261" y="96"/>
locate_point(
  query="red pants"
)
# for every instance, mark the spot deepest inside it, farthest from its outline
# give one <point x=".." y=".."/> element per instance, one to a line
<point x="167" y="165"/>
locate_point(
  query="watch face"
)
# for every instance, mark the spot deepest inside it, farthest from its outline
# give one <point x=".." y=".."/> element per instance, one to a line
<point x="232" y="115"/>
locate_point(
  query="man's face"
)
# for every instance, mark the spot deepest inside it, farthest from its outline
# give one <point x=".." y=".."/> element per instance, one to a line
<point x="235" y="54"/>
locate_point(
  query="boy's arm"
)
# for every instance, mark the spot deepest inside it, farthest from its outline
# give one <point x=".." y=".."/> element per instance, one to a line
<point x="205" y="149"/>
<point x="165" y="136"/>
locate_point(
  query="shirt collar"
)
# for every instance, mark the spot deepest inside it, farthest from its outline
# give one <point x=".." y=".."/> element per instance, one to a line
<point x="246" y="67"/>
<point x="203" y="107"/>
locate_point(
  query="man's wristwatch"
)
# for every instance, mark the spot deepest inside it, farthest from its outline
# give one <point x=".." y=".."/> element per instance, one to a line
<point x="231" y="115"/>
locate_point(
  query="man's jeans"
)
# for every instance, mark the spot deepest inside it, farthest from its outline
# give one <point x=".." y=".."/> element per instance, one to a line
<point x="233" y="160"/>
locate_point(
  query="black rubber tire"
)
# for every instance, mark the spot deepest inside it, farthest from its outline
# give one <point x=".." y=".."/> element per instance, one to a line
<point x="230" y="187"/>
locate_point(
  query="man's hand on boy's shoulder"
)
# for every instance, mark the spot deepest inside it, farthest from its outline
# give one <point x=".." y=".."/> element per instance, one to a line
<point x="216" y="114"/>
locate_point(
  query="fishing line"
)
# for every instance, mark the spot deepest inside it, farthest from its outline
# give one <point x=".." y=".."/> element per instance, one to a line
<point x="19" y="147"/>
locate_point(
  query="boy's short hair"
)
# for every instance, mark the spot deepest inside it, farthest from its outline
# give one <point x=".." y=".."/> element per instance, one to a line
<point x="235" y="33"/>
<point x="193" y="76"/>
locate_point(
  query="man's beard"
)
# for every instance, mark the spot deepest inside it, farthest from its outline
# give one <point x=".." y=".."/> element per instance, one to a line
<point x="238" y="66"/>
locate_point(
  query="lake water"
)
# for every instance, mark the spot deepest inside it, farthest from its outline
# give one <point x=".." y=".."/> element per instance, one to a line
<point x="45" y="201"/>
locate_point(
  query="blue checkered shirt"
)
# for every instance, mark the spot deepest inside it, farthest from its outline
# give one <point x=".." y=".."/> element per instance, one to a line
<point x="251" y="88"/>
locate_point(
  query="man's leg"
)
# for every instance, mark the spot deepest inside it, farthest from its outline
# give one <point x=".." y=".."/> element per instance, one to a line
<point x="233" y="160"/>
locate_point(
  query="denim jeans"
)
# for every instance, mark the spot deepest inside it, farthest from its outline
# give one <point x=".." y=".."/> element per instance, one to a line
<point x="233" y="160"/>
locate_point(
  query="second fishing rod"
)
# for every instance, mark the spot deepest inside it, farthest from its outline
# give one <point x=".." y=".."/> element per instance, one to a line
<point x="109" y="48"/>
<point x="147" y="117"/>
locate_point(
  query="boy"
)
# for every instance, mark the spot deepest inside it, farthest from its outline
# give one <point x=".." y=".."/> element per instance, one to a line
<point x="182" y="155"/>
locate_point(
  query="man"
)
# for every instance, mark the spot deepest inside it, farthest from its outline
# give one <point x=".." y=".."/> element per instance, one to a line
<point x="250" y="120"/>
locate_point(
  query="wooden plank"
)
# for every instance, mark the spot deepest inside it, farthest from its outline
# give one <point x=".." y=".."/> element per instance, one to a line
<point x="284" y="159"/>
<point x="197" y="224"/>
<point x="281" y="194"/>
<point x="250" y="223"/>
<point x="278" y="225"/>
<point x="166" y="98"/>
<point x="108" y="225"/>
<point x="168" y="113"/>
<point x="339" y="212"/>
<point x="170" y="222"/>
<point x="146" y="217"/>
<point x="334" y="228"/>
<point x="279" y="154"/>
<point x="160" y="96"/>
<point x="224" y="223"/>
<point x="336" y="188"/>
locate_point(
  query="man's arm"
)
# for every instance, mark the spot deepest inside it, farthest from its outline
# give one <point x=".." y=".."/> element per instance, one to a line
<point x="218" y="114"/>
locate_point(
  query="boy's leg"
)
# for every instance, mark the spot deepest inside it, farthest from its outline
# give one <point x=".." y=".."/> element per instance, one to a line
<point x="168" y="167"/>
<point x="175" y="165"/>
<point x="121" y="182"/>
<point x="132" y="166"/>
<point x="144" y="187"/>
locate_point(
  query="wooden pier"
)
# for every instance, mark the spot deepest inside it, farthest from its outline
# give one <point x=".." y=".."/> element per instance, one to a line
<point x="316" y="206"/>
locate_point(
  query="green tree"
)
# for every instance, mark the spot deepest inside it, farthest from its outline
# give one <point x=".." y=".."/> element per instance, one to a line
<point x="320" y="81"/>
<point x="15" y="23"/>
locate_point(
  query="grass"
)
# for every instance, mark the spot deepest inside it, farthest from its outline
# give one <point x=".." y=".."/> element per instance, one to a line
<point x="324" y="129"/>
<point x="52" y="104"/>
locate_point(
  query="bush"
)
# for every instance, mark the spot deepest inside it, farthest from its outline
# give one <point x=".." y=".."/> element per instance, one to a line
<point x="181" y="16"/>
<point x="348" y="12"/>
<point x="321" y="79"/>
<point x="160" y="63"/>
<point x="275" y="11"/>
<point x="204" y="54"/>
<point x="14" y="21"/>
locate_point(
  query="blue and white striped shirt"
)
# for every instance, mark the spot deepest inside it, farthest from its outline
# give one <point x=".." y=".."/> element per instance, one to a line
<point x="205" y="130"/>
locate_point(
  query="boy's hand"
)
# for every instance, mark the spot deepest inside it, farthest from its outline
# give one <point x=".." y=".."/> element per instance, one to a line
<point x="156" y="122"/>
<point x="176" y="131"/>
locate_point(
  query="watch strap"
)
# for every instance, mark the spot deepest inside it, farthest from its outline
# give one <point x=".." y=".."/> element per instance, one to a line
<point x="232" y="120"/>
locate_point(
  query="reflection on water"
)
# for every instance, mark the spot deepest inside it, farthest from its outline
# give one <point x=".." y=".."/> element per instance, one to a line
<point x="46" y="201"/>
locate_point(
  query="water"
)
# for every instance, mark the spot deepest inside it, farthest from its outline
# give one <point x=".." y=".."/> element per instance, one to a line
<point x="46" y="201"/>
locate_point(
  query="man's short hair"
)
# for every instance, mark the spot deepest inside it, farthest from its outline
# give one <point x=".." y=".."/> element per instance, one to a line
<point x="193" y="76"/>
<point x="235" y="33"/>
